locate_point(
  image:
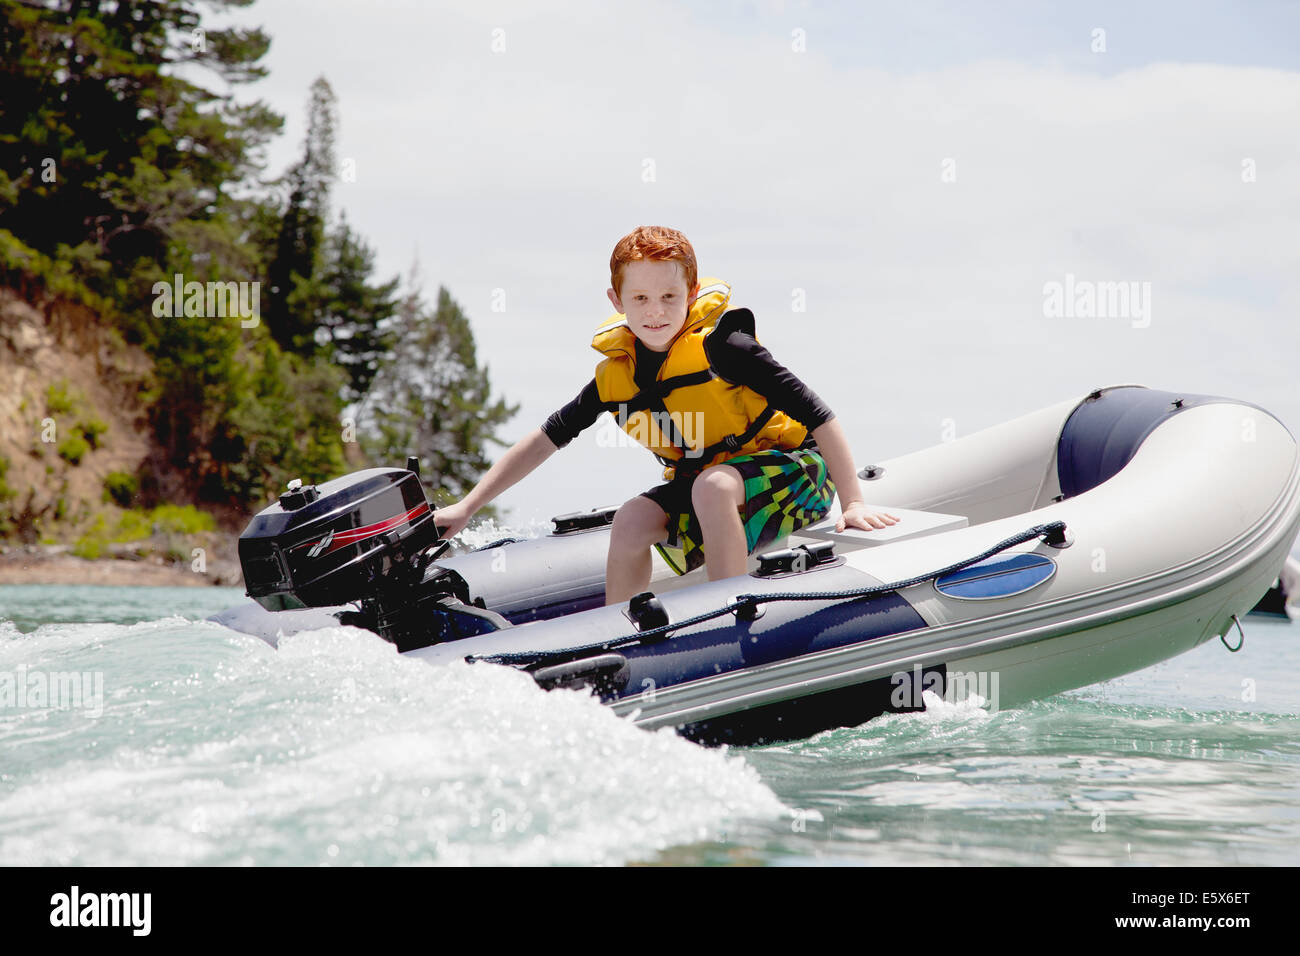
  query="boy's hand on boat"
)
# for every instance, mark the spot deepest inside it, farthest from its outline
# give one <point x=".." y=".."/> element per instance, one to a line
<point x="451" y="520"/>
<point x="858" y="515"/>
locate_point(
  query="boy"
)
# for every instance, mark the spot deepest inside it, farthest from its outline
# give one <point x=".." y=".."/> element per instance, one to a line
<point x="748" y="447"/>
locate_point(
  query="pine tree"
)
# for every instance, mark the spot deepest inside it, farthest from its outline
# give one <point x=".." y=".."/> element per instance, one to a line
<point x="118" y="173"/>
<point x="293" y="297"/>
<point x="431" y="398"/>
<point x="110" y="159"/>
<point x="352" y="313"/>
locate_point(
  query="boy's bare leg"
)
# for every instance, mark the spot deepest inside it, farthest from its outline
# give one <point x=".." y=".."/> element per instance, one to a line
<point x="717" y="494"/>
<point x="637" y="525"/>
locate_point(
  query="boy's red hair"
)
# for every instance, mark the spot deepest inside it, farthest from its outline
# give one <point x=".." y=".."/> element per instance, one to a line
<point x="656" y="243"/>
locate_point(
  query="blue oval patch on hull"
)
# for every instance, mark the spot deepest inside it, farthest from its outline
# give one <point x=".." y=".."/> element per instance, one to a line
<point x="997" y="577"/>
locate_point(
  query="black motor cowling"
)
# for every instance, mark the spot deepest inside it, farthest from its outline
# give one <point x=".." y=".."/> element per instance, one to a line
<point x="342" y="541"/>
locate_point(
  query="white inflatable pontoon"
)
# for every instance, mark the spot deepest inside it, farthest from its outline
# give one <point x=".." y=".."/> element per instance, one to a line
<point x="1084" y="541"/>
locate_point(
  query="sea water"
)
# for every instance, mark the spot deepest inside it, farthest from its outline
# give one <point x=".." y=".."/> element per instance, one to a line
<point x="134" y="732"/>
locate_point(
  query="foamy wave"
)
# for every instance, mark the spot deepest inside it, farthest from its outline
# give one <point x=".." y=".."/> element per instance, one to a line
<point x="337" y="750"/>
<point x="487" y="531"/>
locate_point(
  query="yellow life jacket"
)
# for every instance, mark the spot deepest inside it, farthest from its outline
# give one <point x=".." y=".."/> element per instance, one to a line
<point x="692" y="418"/>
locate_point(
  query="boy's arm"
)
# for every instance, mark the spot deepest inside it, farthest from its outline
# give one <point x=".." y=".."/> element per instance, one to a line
<point x="522" y="457"/>
<point x="743" y="360"/>
<point x="834" y="447"/>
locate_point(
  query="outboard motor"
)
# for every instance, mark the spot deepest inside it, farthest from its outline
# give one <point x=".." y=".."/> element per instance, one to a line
<point x="364" y="538"/>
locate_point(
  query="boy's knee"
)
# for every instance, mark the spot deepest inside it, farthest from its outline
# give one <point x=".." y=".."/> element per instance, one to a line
<point x="640" y="521"/>
<point x="719" y="485"/>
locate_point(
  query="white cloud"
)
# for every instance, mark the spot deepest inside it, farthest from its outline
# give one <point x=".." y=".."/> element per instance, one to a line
<point x="520" y="169"/>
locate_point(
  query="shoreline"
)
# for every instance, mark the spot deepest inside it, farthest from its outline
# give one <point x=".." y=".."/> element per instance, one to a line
<point x="23" y="566"/>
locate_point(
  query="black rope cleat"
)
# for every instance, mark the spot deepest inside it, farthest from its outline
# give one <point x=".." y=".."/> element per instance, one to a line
<point x="646" y="611"/>
<point x="1057" y="535"/>
<point x="748" y="608"/>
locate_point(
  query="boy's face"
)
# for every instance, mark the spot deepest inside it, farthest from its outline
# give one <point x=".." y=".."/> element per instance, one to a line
<point x="655" y="300"/>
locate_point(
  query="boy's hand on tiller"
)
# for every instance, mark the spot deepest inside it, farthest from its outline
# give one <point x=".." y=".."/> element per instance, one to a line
<point x="858" y="515"/>
<point x="451" y="520"/>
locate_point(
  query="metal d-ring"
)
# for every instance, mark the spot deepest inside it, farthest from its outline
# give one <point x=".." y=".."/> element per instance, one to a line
<point x="1239" y="631"/>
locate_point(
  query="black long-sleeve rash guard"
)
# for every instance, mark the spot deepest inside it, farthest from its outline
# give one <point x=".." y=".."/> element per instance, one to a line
<point x="739" y="360"/>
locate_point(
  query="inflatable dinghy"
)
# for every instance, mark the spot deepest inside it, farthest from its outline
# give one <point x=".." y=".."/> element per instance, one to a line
<point x="1072" y="545"/>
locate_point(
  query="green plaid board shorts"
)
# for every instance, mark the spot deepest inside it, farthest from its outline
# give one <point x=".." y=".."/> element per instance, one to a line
<point x="784" y="491"/>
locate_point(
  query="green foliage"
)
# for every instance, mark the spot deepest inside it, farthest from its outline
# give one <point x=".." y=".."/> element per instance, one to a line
<point x="297" y="260"/>
<point x="89" y="546"/>
<point x="170" y="521"/>
<point x="57" y="399"/>
<point x="116" y="174"/>
<point x="73" y="448"/>
<point x="85" y="435"/>
<point x="165" y="520"/>
<point x="93" y="542"/>
<point x="6" y="494"/>
<point x="121" y="487"/>
<point x="431" y="398"/>
<point x="284" y="426"/>
<point x="182" y="519"/>
<point x="351" y="311"/>
<point x="108" y="147"/>
<point x="93" y="429"/>
<point x="34" y="276"/>
<point x="5" y="491"/>
<point x="133" y="526"/>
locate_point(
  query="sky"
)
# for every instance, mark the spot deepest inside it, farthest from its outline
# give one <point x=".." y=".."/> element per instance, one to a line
<point x="894" y="190"/>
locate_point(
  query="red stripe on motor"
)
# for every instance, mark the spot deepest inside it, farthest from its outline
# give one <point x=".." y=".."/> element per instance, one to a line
<point x="369" y="531"/>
